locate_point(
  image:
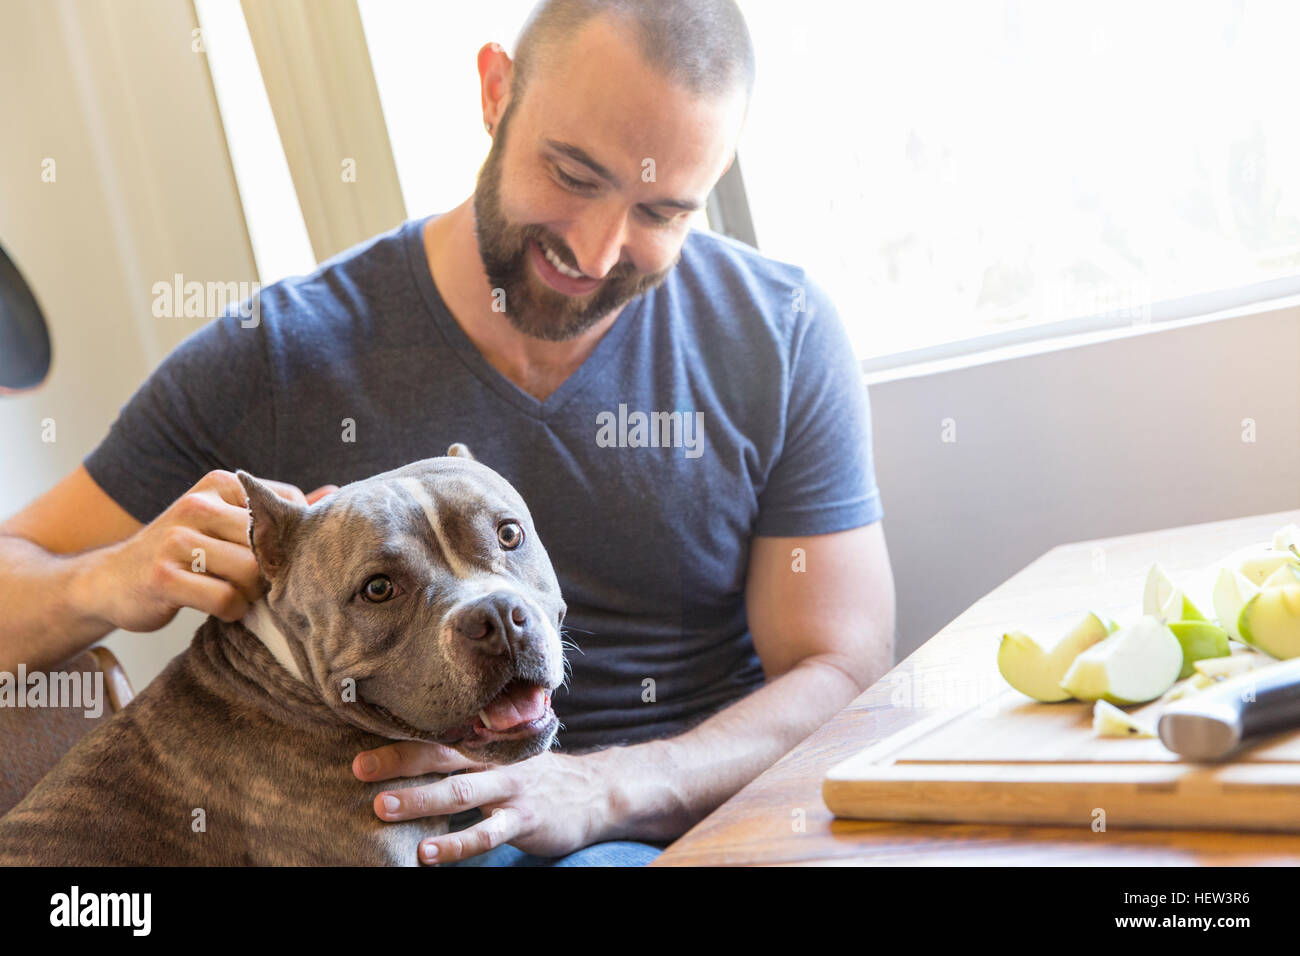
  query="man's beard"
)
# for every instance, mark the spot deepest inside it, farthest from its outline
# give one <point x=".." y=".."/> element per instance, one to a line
<point x="533" y="307"/>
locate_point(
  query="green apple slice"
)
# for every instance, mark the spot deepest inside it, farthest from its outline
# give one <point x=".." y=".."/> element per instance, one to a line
<point x="1159" y="589"/>
<point x="1179" y="607"/>
<point x="1137" y="663"/>
<point x="1284" y="575"/>
<point x="1036" y="669"/>
<point x="1258" y="565"/>
<point x="1231" y="592"/>
<point x="1271" y="621"/>
<point x="1162" y="599"/>
<point x="1190" y="611"/>
<point x="1109" y="721"/>
<point x="1201" y="640"/>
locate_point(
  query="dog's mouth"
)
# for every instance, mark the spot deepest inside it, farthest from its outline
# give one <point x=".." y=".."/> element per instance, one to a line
<point x="521" y="711"/>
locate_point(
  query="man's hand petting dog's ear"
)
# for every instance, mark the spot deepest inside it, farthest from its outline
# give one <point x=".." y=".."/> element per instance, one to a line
<point x="548" y="805"/>
<point x="195" y="554"/>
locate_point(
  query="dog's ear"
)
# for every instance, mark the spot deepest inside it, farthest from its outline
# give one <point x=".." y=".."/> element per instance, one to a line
<point x="460" y="451"/>
<point x="271" y="523"/>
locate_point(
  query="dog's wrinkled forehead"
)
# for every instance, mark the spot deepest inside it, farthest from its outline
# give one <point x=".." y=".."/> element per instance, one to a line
<point x="450" y="505"/>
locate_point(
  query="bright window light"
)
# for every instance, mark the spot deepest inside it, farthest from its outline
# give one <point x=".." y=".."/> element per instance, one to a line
<point x="950" y="169"/>
<point x="423" y="55"/>
<point x="276" y="228"/>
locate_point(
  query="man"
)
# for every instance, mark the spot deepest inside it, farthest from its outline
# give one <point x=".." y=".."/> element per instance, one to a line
<point x="683" y="416"/>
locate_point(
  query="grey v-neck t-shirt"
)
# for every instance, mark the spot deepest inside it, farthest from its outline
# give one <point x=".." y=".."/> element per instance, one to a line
<point x="722" y="405"/>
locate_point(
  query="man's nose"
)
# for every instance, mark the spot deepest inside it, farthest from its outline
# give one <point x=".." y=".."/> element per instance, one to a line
<point x="497" y="624"/>
<point x="598" y="246"/>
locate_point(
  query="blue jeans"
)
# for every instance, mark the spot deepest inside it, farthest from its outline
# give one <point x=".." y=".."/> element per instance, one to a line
<point x="613" y="853"/>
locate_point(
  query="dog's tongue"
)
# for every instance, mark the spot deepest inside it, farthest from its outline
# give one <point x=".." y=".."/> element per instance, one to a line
<point x="518" y="704"/>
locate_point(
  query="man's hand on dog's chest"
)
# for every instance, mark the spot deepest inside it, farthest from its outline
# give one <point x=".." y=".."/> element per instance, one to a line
<point x="548" y="805"/>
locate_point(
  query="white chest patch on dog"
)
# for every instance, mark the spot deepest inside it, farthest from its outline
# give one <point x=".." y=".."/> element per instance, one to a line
<point x="260" y="622"/>
<point x="421" y="496"/>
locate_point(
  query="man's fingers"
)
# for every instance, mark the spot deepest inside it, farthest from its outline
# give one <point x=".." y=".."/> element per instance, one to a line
<point x="209" y="538"/>
<point x="210" y="511"/>
<point x="409" y="758"/>
<point x="463" y="791"/>
<point x="320" y="493"/>
<point x="230" y="562"/>
<point x="503" y="825"/>
<point x="208" y="594"/>
<point x="226" y="485"/>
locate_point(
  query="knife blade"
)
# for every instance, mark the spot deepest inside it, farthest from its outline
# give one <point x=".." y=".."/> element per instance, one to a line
<point x="1212" y="724"/>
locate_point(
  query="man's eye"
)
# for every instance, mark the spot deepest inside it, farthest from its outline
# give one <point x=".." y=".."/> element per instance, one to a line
<point x="378" y="589"/>
<point x="510" y="535"/>
<point x="655" y="218"/>
<point x="572" y="183"/>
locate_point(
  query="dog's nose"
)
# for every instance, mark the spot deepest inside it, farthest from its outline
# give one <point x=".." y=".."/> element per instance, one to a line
<point x="495" y="624"/>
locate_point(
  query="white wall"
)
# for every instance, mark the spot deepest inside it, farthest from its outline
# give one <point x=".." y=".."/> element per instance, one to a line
<point x="1115" y="437"/>
<point x="143" y="189"/>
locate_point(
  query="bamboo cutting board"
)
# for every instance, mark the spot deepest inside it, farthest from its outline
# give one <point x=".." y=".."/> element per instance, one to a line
<point x="1008" y="759"/>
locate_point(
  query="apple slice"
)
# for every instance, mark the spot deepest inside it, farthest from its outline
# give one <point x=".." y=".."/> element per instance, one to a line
<point x="1158" y="590"/>
<point x="1109" y="721"/>
<point x="1162" y="599"/>
<point x="1284" y="575"/>
<point x="1231" y="592"/>
<point x="1137" y="663"/>
<point x="1271" y="621"/>
<point x="1200" y="640"/>
<point x="1036" y="669"/>
<point x="1185" y="687"/>
<point x="1284" y="539"/>
<point x="1222" y="668"/>
<point x="1179" y="607"/>
<point x="1259" y="564"/>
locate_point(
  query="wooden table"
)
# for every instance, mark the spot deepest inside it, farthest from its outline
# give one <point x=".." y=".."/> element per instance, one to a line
<point x="780" y="819"/>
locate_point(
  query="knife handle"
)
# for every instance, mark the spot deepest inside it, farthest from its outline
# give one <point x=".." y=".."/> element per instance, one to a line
<point x="1211" y="724"/>
<point x="1276" y="703"/>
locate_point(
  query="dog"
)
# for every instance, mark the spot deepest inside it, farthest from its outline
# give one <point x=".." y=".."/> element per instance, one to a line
<point x="418" y="604"/>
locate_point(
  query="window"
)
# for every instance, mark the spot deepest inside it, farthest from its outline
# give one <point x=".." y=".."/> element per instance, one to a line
<point x="952" y="169"/>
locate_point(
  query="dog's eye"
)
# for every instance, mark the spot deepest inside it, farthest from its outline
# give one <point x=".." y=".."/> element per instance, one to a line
<point x="510" y="534"/>
<point x="377" y="589"/>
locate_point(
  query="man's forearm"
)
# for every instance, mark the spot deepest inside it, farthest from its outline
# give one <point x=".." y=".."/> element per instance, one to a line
<point x="662" y="788"/>
<point x="45" y="619"/>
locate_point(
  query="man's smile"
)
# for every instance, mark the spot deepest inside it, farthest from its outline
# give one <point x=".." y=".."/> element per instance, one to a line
<point x="558" y="275"/>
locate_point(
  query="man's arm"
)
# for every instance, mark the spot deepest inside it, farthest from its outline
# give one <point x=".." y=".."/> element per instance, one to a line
<point x="824" y="635"/>
<point x="49" y="616"/>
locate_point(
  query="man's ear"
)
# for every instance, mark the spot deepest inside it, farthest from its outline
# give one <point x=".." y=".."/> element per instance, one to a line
<point x="460" y="451"/>
<point x="272" y="522"/>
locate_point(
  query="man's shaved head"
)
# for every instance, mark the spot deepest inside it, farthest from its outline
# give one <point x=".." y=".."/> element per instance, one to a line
<point x="700" y="45"/>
